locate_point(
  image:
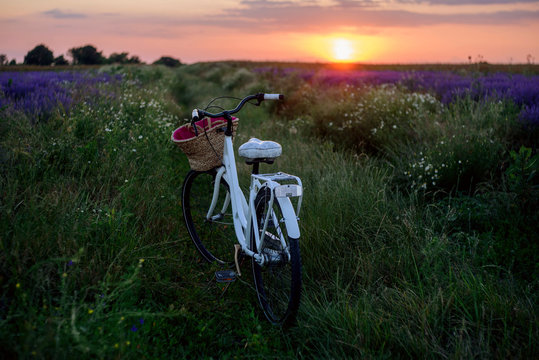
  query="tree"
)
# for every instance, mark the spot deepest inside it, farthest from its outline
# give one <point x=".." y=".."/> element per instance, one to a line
<point x="168" y="61"/>
<point x="60" y="60"/>
<point x="134" y="60"/>
<point x="3" y="59"/>
<point x="40" y="55"/>
<point x="86" y="55"/>
<point x="123" y="58"/>
<point x="116" y="58"/>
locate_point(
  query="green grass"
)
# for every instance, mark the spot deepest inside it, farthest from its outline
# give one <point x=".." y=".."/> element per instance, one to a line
<point x="95" y="259"/>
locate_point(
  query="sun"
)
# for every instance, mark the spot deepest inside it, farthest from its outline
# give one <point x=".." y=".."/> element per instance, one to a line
<point x="343" y="50"/>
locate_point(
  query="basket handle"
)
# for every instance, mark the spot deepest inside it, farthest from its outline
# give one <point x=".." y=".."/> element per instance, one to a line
<point x="198" y="130"/>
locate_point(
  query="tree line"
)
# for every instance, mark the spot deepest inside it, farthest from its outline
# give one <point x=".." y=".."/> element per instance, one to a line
<point x="84" y="55"/>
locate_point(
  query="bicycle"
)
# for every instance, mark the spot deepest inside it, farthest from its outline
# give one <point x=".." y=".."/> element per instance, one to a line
<point x="264" y="227"/>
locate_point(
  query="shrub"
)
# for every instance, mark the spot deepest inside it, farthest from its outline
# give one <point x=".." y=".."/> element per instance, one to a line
<point x="168" y="61"/>
<point x="522" y="173"/>
<point x="373" y="120"/>
<point x="457" y="163"/>
<point x="60" y="60"/>
<point x="240" y="78"/>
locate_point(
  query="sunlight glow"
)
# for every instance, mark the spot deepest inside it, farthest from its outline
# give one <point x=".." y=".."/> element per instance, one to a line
<point x="343" y="50"/>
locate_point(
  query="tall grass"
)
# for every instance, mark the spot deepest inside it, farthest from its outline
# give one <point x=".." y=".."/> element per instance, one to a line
<point x="385" y="277"/>
<point x="95" y="259"/>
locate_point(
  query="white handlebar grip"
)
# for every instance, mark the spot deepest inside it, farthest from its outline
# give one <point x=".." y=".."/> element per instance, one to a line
<point x="194" y="115"/>
<point x="273" y="97"/>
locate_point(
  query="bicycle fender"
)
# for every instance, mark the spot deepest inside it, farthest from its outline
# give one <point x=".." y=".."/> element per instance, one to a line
<point x="290" y="217"/>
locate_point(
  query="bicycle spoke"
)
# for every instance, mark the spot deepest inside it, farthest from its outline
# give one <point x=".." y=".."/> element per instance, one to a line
<point x="278" y="279"/>
<point x="213" y="239"/>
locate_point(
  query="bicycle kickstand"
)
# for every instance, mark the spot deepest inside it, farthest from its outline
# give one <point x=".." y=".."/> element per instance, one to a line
<point x="237" y="249"/>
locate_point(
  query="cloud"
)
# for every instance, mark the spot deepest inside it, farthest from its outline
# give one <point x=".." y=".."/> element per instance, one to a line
<point x="466" y="2"/>
<point x="264" y="15"/>
<point x="60" y="14"/>
<point x="356" y="3"/>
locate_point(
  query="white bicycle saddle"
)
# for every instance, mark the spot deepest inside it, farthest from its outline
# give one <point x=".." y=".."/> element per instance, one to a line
<point x="258" y="149"/>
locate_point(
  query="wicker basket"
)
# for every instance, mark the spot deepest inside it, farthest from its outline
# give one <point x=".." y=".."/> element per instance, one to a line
<point x="204" y="151"/>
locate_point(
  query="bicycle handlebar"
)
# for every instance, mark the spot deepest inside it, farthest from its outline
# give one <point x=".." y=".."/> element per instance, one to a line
<point x="273" y="97"/>
<point x="198" y="113"/>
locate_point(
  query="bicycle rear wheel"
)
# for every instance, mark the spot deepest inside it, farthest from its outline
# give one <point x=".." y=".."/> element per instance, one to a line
<point x="214" y="238"/>
<point x="278" y="281"/>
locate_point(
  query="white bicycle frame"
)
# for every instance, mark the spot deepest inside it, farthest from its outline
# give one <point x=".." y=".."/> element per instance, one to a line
<point x="243" y="212"/>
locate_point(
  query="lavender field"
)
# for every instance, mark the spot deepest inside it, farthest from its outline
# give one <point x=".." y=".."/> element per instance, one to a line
<point x="446" y="86"/>
<point x="37" y="93"/>
<point x="419" y="224"/>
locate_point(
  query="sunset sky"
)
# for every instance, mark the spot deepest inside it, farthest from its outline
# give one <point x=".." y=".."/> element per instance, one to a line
<point x="373" y="31"/>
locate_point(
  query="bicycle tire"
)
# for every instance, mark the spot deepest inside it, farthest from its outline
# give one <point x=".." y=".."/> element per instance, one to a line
<point x="278" y="285"/>
<point x="214" y="239"/>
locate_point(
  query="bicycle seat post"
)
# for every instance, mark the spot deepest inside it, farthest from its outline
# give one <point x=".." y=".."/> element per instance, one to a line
<point x="256" y="165"/>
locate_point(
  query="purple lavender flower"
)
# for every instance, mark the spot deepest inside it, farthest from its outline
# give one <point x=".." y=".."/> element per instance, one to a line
<point x="529" y="116"/>
<point x="39" y="93"/>
<point x="446" y="86"/>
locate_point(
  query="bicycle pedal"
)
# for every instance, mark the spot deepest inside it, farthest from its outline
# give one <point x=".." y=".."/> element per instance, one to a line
<point x="225" y="276"/>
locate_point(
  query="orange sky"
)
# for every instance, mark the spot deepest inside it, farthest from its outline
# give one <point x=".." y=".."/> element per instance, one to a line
<point x="375" y="31"/>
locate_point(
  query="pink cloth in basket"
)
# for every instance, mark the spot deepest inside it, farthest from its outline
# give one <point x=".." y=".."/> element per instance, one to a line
<point x="188" y="132"/>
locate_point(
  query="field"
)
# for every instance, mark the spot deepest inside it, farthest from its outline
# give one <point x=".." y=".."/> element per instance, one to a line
<point x="419" y="224"/>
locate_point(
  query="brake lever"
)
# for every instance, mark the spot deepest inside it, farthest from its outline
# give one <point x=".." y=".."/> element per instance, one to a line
<point x="259" y="98"/>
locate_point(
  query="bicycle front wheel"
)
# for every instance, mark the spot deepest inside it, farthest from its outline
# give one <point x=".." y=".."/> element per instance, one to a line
<point x="278" y="281"/>
<point x="213" y="234"/>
